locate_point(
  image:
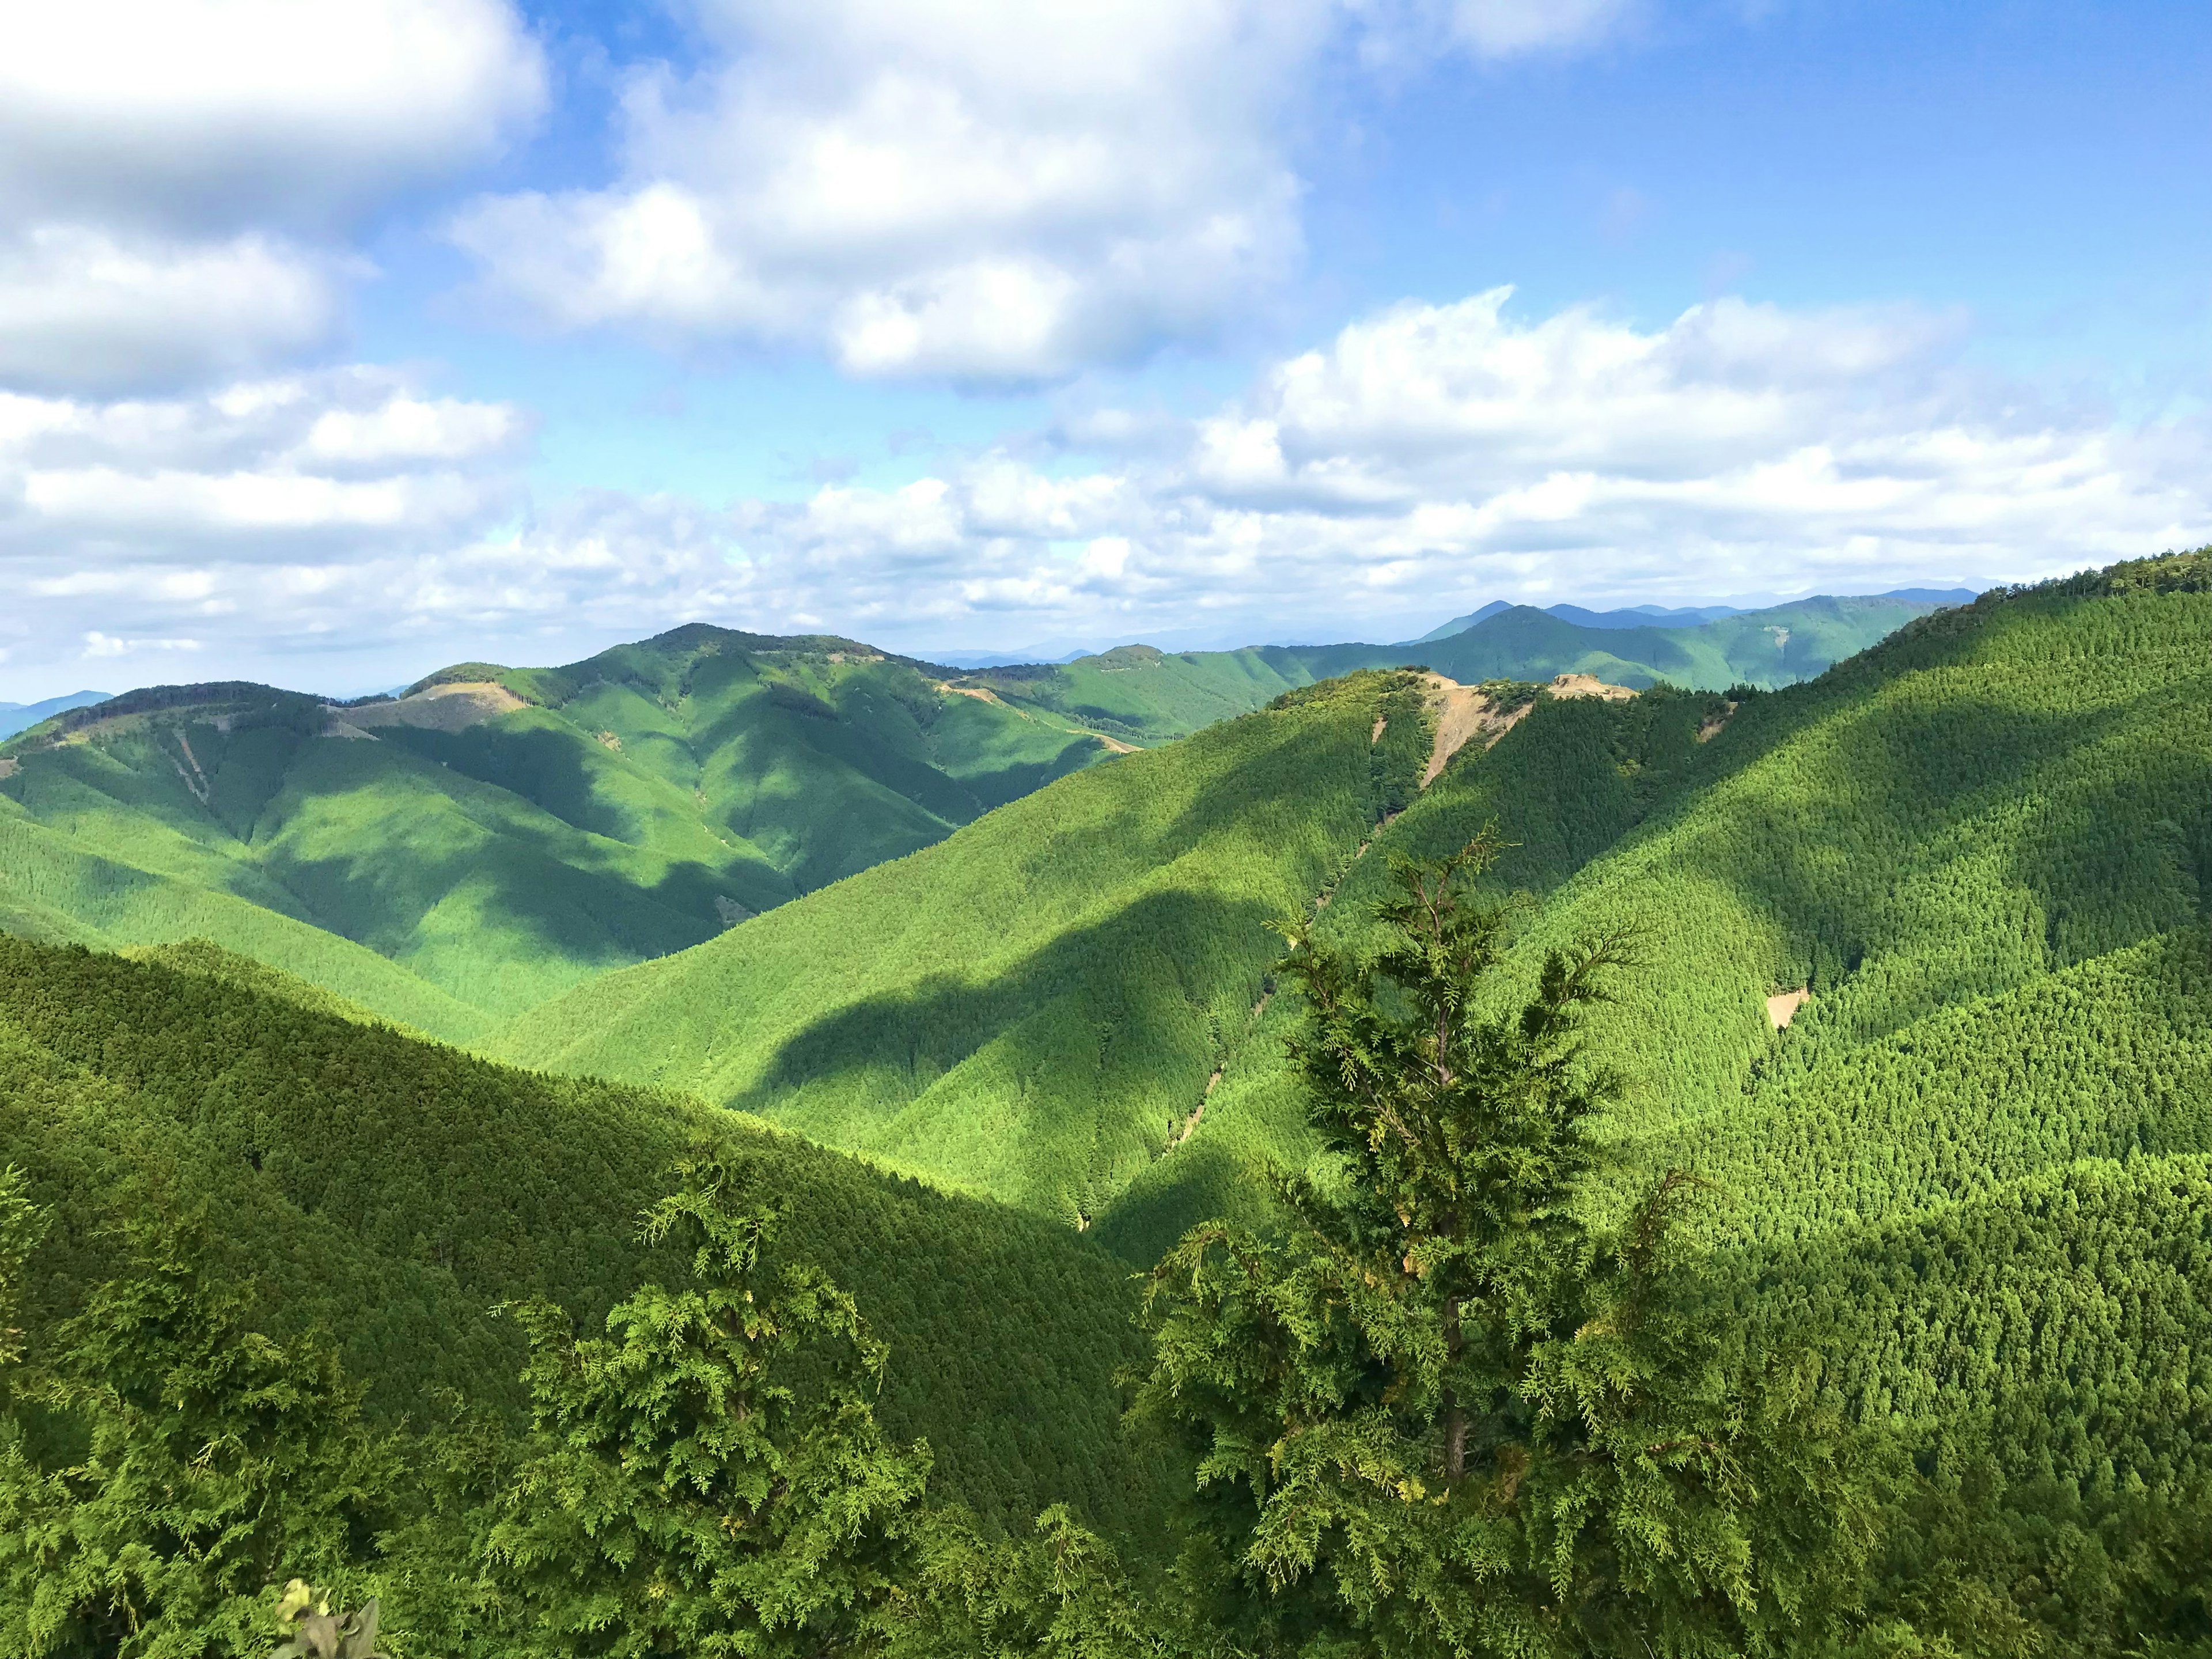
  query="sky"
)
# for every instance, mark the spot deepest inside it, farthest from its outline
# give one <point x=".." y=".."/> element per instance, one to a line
<point x="344" y="339"/>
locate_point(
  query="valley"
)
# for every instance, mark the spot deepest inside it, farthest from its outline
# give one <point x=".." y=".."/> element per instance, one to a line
<point x="986" y="998"/>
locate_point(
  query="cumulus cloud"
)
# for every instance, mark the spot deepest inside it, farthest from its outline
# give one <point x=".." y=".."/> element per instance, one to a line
<point x="83" y="308"/>
<point x="91" y="493"/>
<point x="1426" y="459"/>
<point x="981" y="191"/>
<point x="203" y="114"/>
<point x="173" y="173"/>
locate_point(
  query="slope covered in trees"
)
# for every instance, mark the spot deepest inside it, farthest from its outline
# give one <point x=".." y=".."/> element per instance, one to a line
<point x="391" y="1192"/>
<point x="497" y="836"/>
<point x="1144" y="695"/>
<point x="1893" y="1318"/>
<point x="1032" y="1008"/>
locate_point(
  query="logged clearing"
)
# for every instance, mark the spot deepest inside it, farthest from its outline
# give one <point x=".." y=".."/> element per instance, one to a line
<point x="1781" y="1008"/>
<point x="442" y="707"/>
<point x="984" y="694"/>
<point x="1588" y="685"/>
<point x="1463" y="712"/>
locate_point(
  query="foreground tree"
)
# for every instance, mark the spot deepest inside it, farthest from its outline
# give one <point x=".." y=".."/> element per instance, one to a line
<point x="169" y="1465"/>
<point x="709" y="1478"/>
<point x="1449" y="1413"/>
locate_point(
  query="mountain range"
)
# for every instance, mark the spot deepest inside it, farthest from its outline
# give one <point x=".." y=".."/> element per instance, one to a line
<point x="491" y="836"/>
<point x="1918" y="991"/>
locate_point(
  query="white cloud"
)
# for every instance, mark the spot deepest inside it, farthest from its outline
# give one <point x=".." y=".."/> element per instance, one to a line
<point x="1426" y="459"/>
<point x="209" y="115"/>
<point x="173" y="173"/>
<point x="257" y="472"/>
<point x="971" y="190"/>
<point x="83" y="308"/>
<point x="97" y="644"/>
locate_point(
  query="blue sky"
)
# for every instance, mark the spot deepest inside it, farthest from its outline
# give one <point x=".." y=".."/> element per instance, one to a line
<point x="337" y="342"/>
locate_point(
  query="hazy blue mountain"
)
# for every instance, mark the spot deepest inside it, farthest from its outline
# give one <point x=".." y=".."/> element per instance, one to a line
<point x="1660" y="615"/>
<point x="22" y="716"/>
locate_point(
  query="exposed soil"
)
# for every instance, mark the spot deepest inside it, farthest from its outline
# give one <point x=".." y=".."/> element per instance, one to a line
<point x="1463" y="714"/>
<point x="346" y="729"/>
<point x="1712" y="728"/>
<point x="442" y="707"/>
<point x="8" y="765"/>
<point x="1781" y="1008"/>
<point x="1588" y="685"/>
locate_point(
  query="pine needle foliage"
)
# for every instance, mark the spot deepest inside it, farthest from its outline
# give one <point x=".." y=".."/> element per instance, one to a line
<point x="1446" y="1413"/>
<point x="694" y="1489"/>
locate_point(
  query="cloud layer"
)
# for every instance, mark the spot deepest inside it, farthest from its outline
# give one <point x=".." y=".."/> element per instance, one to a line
<point x="946" y="188"/>
<point x="176" y="175"/>
<point x="1426" y="459"/>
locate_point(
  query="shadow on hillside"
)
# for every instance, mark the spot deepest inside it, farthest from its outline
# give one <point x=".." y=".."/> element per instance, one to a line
<point x="1105" y="1036"/>
<point x="2102" y="822"/>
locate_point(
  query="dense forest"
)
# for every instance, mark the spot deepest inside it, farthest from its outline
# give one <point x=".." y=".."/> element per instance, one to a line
<point x="455" y="855"/>
<point x="1719" y="1170"/>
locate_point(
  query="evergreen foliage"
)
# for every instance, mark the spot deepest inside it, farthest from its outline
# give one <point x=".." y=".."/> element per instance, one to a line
<point x="448" y="862"/>
<point x="680" y="1496"/>
<point x="1442" y="1414"/>
<point x="388" y="1192"/>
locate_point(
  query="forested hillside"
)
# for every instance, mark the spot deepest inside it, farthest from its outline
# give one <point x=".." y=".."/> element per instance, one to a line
<point x="1883" y="1275"/>
<point x="457" y="855"/>
<point x="1145" y="695"/>
<point x="390" y="1192"/>
<point x="1031" y="1008"/>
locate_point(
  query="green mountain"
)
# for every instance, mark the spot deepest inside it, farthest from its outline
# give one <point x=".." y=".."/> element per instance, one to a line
<point x="391" y="1192"/>
<point x="1922" y="990"/>
<point x="1030" y="1008"/>
<point x="495" y="837"/>
<point x="16" y="716"/>
<point x="1145" y="696"/>
<point x="1065" y="1004"/>
<point x="1919" y="989"/>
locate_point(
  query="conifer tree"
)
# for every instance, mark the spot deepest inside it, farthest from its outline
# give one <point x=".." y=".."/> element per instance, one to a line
<point x="186" y="1464"/>
<point x="1447" y="1412"/>
<point x="709" y="1478"/>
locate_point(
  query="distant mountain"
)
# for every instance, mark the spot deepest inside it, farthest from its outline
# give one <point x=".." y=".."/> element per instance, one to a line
<point x="1461" y="624"/>
<point x="454" y="856"/>
<point x="22" y="716"/>
<point x="498" y="835"/>
<point x="1660" y="615"/>
<point x="1142" y="696"/>
<point x="1983" y="838"/>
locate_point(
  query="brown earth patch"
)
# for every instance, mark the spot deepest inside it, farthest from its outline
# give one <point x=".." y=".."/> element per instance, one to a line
<point x="1782" y="1007"/>
<point x="1463" y="713"/>
<point x="8" y="765"/>
<point x="1588" y="685"/>
<point x="984" y="694"/>
<point x="442" y="707"/>
<point x="1711" y="727"/>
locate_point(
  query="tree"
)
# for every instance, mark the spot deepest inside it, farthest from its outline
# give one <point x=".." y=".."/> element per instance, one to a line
<point x="709" y="1478"/>
<point x="184" y="1464"/>
<point x="1448" y="1412"/>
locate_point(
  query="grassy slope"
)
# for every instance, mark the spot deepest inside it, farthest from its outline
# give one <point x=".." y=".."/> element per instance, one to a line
<point x="392" y="1191"/>
<point x="446" y="876"/>
<point x="1033" y="1007"/>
